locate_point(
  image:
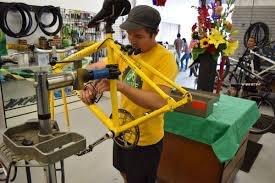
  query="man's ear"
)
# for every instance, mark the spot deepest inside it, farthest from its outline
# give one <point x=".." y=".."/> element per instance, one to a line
<point x="157" y="32"/>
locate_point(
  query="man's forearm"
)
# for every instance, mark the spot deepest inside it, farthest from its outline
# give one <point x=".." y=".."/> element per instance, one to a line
<point x="145" y="99"/>
<point x="97" y="65"/>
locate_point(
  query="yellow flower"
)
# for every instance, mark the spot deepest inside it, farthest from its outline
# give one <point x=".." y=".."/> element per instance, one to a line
<point x="231" y="47"/>
<point x="204" y="42"/>
<point x="216" y="38"/>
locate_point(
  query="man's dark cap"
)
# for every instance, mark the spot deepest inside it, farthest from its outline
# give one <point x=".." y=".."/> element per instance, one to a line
<point x="142" y="16"/>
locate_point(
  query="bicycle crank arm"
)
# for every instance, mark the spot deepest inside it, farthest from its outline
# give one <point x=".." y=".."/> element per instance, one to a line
<point x="90" y="148"/>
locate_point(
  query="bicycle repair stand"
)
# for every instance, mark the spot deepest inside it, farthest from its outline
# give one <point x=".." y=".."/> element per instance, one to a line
<point x="40" y="139"/>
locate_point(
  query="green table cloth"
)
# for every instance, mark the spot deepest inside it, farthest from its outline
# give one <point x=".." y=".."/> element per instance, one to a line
<point x="223" y="130"/>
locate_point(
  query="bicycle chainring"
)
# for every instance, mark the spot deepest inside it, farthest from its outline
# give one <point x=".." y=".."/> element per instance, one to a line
<point x="127" y="139"/>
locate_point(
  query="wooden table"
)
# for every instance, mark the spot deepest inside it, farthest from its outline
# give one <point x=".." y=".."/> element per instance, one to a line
<point x="207" y="150"/>
<point x="187" y="161"/>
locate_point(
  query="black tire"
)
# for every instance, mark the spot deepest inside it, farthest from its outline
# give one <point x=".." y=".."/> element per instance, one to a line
<point x="259" y="31"/>
<point x="267" y="119"/>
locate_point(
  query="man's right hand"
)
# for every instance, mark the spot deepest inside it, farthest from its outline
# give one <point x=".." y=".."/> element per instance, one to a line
<point x="88" y="95"/>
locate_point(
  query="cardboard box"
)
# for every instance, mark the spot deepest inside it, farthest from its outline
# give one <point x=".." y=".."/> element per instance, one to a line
<point x="201" y="105"/>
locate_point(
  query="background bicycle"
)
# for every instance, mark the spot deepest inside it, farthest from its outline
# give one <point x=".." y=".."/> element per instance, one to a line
<point x="242" y="82"/>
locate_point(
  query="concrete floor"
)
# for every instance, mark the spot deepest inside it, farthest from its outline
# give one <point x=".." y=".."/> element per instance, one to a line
<point x="96" y="167"/>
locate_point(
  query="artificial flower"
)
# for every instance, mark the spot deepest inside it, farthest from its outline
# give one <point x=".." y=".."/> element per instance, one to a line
<point x="213" y="32"/>
<point x="193" y="43"/>
<point x="216" y="38"/>
<point x="204" y="42"/>
<point x="231" y="46"/>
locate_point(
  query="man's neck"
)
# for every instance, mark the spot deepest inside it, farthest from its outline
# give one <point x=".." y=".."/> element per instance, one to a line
<point x="151" y="47"/>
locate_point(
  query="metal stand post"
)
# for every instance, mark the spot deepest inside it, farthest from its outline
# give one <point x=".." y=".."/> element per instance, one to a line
<point x="3" y="122"/>
<point x="44" y="116"/>
<point x="28" y="173"/>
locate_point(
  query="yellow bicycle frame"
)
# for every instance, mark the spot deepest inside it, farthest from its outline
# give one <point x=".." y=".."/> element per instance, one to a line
<point x="113" y="48"/>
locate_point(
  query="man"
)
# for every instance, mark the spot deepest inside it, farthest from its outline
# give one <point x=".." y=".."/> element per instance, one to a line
<point x="139" y="165"/>
<point x="178" y="43"/>
<point x="186" y="55"/>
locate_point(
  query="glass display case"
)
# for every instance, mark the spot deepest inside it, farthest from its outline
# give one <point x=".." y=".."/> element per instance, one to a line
<point x="18" y="92"/>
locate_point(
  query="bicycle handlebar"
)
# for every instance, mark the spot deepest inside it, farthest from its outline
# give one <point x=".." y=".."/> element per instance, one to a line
<point x="262" y="57"/>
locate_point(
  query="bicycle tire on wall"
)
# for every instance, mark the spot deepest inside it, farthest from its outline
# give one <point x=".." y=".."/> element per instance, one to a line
<point x="266" y="121"/>
<point x="259" y="31"/>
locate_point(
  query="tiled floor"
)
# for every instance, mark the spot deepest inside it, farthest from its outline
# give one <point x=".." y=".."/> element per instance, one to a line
<point x="96" y="167"/>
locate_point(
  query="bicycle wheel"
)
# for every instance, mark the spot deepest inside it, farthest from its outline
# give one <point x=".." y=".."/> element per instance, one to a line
<point x="259" y="31"/>
<point x="267" y="119"/>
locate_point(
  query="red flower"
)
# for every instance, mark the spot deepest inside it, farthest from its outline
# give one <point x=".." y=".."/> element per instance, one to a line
<point x="203" y="19"/>
<point x="203" y="11"/>
<point x="208" y="24"/>
<point x="159" y="2"/>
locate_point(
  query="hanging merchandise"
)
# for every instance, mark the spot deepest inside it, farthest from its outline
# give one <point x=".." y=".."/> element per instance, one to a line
<point x="28" y="25"/>
<point x="57" y="17"/>
<point x="3" y="46"/>
<point x="26" y="17"/>
<point x="159" y="2"/>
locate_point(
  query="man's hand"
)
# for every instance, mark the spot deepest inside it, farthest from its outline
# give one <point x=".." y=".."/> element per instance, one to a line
<point x="88" y="95"/>
<point x="104" y="85"/>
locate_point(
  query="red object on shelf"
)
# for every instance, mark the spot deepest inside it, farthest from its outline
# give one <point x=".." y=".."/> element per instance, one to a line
<point x="199" y="105"/>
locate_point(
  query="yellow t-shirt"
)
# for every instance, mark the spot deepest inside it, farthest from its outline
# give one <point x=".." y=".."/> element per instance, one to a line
<point x="152" y="130"/>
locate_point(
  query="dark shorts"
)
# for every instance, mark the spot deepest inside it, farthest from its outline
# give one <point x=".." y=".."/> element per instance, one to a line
<point x="139" y="164"/>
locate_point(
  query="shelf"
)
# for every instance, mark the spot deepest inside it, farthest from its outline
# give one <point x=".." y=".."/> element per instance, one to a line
<point x="31" y="67"/>
<point x="19" y="111"/>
